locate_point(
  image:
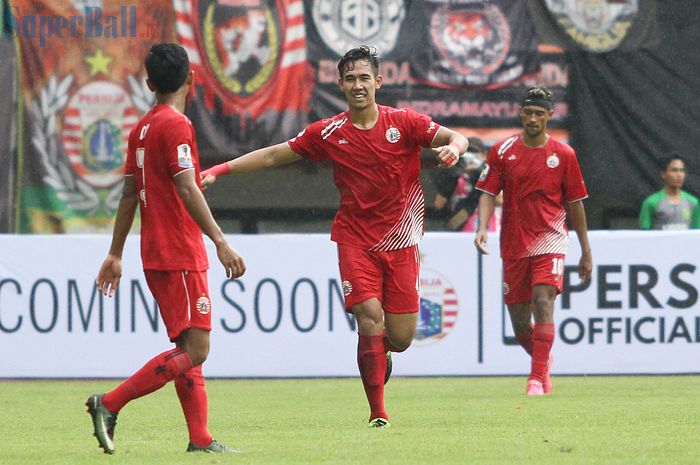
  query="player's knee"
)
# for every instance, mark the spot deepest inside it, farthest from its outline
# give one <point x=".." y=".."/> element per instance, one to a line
<point x="198" y="355"/>
<point x="399" y="343"/>
<point x="542" y="301"/>
<point x="369" y="318"/>
<point x="196" y="344"/>
<point x="402" y="344"/>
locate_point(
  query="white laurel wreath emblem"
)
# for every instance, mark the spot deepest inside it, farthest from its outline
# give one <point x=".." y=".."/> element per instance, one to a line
<point x="77" y="194"/>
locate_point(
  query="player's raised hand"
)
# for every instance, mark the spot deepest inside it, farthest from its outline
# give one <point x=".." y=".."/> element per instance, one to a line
<point x="232" y="261"/>
<point x="446" y="155"/>
<point x="109" y="275"/>
<point x="480" y="242"/>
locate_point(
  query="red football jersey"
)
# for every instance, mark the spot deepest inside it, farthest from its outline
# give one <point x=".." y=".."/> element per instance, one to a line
<point x="376" y="171"/>
<point x="535" y="183"/>
<point x="161" y="147"/>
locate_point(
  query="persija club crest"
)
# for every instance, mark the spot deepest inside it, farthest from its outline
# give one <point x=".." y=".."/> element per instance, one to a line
<point x="239" y="48"/>
<point x="439" y="307"/>
<point x="96" y="126"/>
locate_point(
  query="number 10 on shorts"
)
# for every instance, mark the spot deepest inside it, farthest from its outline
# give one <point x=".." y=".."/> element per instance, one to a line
<point x="557" y="266"/>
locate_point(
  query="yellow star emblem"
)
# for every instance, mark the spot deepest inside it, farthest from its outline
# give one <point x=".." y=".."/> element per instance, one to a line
<point x="99" y="63"/>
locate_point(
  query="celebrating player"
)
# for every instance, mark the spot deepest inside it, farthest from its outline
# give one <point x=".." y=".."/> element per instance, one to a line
<point x="375" y="153"/>
<point x="541" y="183"/>
<point x="162" y="178"/>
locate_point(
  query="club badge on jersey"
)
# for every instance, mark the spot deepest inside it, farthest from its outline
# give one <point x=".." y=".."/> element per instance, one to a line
<point x="553" y="161"/>
<point x="184" y="156"/>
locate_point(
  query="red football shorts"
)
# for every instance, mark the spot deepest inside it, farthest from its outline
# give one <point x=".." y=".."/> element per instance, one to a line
<point x="183" y="299"/>
<point x="520" y="275"/>
<point x="391" y="277"/>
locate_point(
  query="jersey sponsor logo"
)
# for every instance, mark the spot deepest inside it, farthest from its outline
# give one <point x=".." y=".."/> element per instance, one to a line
<point x="347" y="288"/>
<point x="184" y="156"/>
<point x="393" y="135"/>
<point x="343" y="142"/>
<point x="596" y="25"/>
<point x="344" y="25"/>
<point x="512" y="157"/>
<point x="439" y="307"/>
<point x="474" y="41"/>
<point x="96" y="126"/>
<point x="484" y="172"/>
<point x="203" y="305"/>
<point x="553" y="160"/>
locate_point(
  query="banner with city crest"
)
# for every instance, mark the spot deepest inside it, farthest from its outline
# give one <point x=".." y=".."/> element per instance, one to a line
<point x="83" y="89"/>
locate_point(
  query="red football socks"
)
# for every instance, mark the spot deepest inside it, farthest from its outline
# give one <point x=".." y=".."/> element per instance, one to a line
<point x="542" y="339"/>
<point x="151" y="377"/>
<point x="193" y="398"/>
<point x="525" y="340"/>
<point x="371" y="359"/>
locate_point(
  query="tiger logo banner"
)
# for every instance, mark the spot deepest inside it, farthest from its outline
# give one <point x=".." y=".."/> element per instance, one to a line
<point x="475" y="44"/>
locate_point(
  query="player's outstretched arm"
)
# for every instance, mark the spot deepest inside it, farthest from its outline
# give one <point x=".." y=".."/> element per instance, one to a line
<point x="487" y="203"/>
<point x="111" y="270"/>
<point x="196" y="205"/>
<point x="577" y="217"/>
<point x="267" y="157"/>
<point x="448" y="146"/>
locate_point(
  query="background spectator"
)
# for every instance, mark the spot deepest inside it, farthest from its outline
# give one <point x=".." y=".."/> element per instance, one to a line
<point x="671" y="207"/>
<point x="455" y="193"/>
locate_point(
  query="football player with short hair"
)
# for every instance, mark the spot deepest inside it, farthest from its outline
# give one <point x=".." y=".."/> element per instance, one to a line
<point x="162" y="180"/>
<point x="542" y="186"/>
<point x="375" y="154"/>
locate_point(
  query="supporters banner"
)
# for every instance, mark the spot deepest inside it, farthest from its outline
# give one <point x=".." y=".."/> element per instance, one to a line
<point x="253" y="81"/>
<point x="400" y="32"/>
<point x="83" y="89"/>
<point x="8" y="133"/>
<point x="285" y="317"/>
<point x="612" y="95"/>
<point x="598" y="26"/>
<point x="474" y="43"/>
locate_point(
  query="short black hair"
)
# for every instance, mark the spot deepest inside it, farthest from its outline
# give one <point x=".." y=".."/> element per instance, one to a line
<point x="538" y="96"/>
<point x="167" y="67"/>
<point x="363" y="52"/>
<point x="666" y="161"/>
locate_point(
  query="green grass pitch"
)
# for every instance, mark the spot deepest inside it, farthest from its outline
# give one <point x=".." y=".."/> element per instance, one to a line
<point x="436" y="421"/>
